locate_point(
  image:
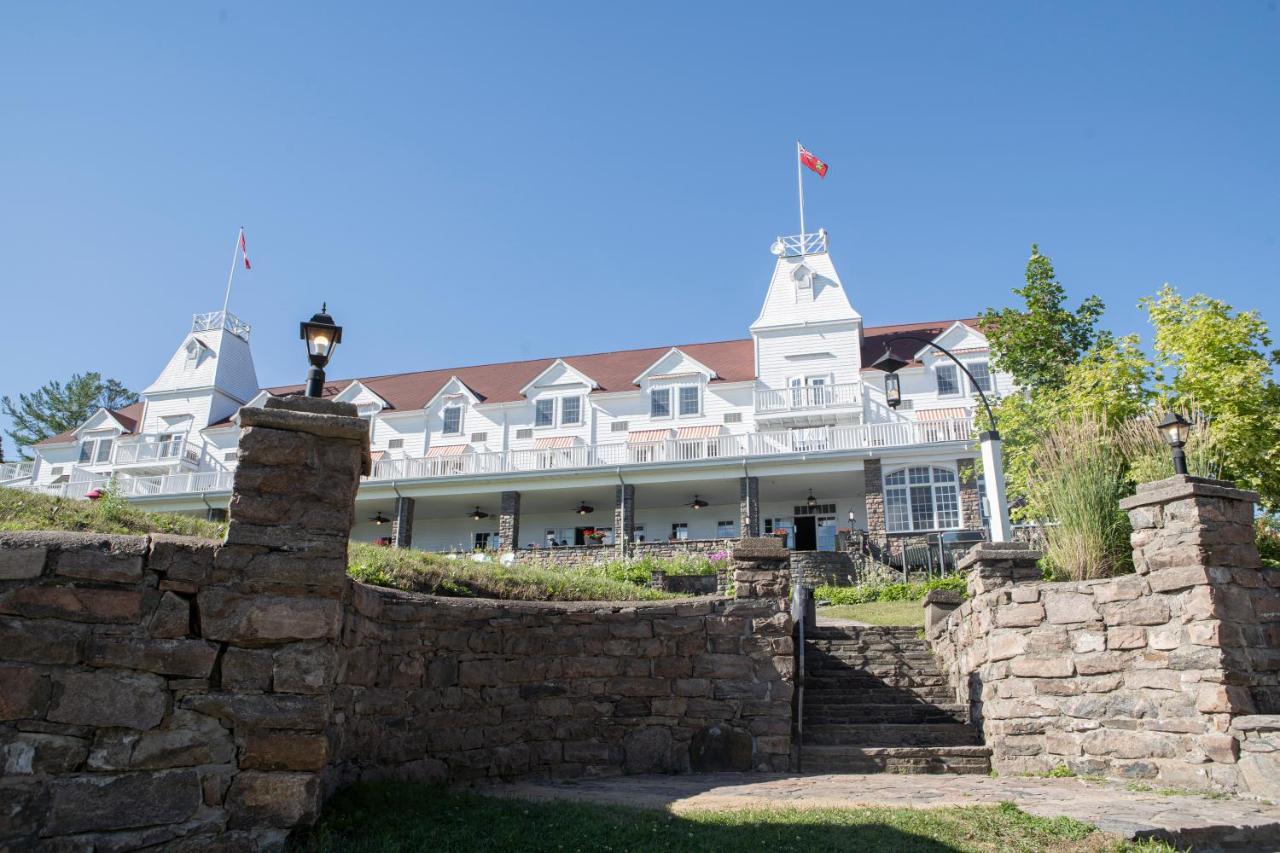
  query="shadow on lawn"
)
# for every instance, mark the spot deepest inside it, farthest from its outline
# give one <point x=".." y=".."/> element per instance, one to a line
<point x="401" y="817"/>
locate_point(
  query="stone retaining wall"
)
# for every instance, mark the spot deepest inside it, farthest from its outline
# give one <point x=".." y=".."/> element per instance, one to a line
<point x="184" y="694"/>
<point x="1155" y="675"/>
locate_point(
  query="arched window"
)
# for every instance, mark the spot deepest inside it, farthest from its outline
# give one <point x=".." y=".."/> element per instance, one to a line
<point x="923" y="497"/>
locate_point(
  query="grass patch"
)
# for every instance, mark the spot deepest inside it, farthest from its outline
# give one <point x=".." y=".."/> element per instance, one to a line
<point x="21" y="510"/>
<point x="887" y="591"/>
<point x="403" y="817"/>
<point x="436" y="574"/>
<point x="906" y="613"/>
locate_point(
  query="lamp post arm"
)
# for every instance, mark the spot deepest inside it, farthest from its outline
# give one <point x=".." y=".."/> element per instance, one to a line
<point x="972" y="382"/>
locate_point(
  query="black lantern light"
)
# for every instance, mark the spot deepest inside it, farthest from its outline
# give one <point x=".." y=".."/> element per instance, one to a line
<point x="379" y="519"/>
<point x="478" y="514"/>
<point x="891" y="364"/>
<point x="811" y="501"/>
<point x="698" y="503"/>
<point x="584" y="509"/>
<point x="321" y="335"/>
<point x="1176" y="430"/>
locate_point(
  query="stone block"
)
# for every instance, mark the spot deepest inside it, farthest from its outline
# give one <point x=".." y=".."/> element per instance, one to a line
<point x="106" y="566"/>
<point x="1129" y="744"/>
<point x="305" y="668"/>
<point x="257" y="619"/>
<point x="1224" y="699"/>
<point x="1126" y="637"/>
<point x="110" y="697"/>
<point x="103" y="803"/>
<point x="1123" y="588"/>
<point x="283" y="711"/>
<point x="24" y="692"/>
<point x="1083" y="642"/>
<point x="1006" y="645"/>
<point x="246" y="669"/>
<point x="1100" y="663"/>
<point x="171" y="618"/>
<point x="649" y="749"/>
<point x="21" y="563"/>
<point x="41" y="641"/>
<point x="1221" y="748"/>
<point x="74" y="604"/>
<point x="1142" y="611"/>
<point x="189" y="658"/>
<point x="1181" y="577"/>
<point x="1054" y="667"/>
<point x="1063" y="607"/>
<point x="720" y="747"/>
<point x="27" y="753"/>
<point x="1019" y="615"/>
<point x="285" y="800"/>
<point x="283" y="750"/>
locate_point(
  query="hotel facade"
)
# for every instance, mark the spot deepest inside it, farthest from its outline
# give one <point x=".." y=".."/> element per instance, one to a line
<point x="785" y="432"/>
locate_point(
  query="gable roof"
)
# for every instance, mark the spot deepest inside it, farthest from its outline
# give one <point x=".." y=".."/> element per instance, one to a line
<point x="127" y="418"/>
<point x="875" y="337"/>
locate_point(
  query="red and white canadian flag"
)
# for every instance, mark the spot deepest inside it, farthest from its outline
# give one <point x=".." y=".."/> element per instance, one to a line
<point x="811" y="160"/>
<point x="244" y="253"/>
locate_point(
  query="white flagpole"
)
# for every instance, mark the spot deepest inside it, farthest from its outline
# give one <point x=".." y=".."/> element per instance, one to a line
<point x="235" y="256"/>
<point x="800" y="187"/>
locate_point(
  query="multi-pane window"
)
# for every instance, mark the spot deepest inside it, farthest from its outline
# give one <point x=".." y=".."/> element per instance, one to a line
<point x="921" y="498"/>
<point x="452" y="420"/>
<point x="95" y="451"/>
<point x="689" y="400"/>
<point x="726" y="529"/>
<point x="570" y="411"/>
<point x="660" y="403"/>
<point x="981" y="371"/>
<point x="947" y="384"/>
<point x="679" y="531"/>
<point x="544" y="413"/>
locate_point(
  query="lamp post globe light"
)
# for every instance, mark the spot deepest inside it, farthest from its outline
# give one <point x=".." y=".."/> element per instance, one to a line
<point x="321" y="335"/>
<point x="988" y="440"/>
<point x="1176" y="430"/>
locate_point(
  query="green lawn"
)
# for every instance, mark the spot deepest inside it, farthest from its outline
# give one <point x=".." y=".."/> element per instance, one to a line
<point x="878" y="612"/>
<point x="402" y="817"/>
<point x="21" y="510"/>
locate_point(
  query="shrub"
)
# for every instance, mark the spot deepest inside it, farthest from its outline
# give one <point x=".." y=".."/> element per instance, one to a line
<point x="887" y="591"/>
<point x="1079" y="479"/>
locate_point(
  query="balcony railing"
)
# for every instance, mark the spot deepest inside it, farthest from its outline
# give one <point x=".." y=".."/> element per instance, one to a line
<point x="806" y="398"/>
<point x="16" y="470"/>
<point x="153" y="450"/>
<point x="138" y="487"/>
<point x="796" y="245"/>
<point x="781" y="442"/>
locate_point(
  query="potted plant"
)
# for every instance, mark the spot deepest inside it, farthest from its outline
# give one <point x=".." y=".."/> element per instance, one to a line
<point x="593" y="536"/>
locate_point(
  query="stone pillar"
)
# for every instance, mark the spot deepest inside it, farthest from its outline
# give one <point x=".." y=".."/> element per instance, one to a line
<point x="624" y="518"/>
<point x="658" y="580"/>
<point x="873" y="488"/>
<point x="939" y="604"/>
<point x="273" y="603"/>
<point x="748" y="507"/>
<point x="509" y="523"/>
<point x="402" y="523"/>
<point x="1196" y="537"/>
<point x="995" y="564"/>
<point x="762" y="569"/>
<point x="970" y="500"/>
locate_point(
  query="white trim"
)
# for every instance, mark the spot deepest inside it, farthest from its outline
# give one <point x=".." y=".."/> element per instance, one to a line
<point x="560" y="362"/>
<point x="701" y="368"/>
<point x="958" y="323"/>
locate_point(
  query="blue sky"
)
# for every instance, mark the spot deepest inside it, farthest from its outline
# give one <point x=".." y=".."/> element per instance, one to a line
<point x="477" y="182"/>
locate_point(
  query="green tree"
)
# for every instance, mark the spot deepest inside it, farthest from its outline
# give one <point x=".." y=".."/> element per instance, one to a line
<point x="1216" y="361"/>
<point x="56" y="407"/>
<point x="1040" y="341"/>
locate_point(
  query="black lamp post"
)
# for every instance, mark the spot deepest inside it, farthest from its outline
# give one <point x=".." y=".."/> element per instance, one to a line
<point x="321" y="335"/>
<point x="989" y="440"/>
<point x="1176" y="430"/>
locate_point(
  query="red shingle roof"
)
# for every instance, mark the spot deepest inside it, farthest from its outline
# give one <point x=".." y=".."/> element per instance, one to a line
<point x="126" y="417"/>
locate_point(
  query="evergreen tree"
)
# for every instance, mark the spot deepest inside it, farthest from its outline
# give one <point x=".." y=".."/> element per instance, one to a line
<point x="56" y="407"/>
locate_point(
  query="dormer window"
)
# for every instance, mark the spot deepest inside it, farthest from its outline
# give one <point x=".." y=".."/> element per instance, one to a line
<point x="194" y="349"/>
<point x="452" y="420"/>
<point x="570" y="411"/>
<point x="95" y="451"/>
<point x="544" y="413"/>
<point x="690" y="400"/>
<point x="660" y="403"/>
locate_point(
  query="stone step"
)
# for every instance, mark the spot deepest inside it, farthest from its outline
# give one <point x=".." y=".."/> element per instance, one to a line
<point x="901" y="713"/>
<point x="865" y="645"/>
<point x="853" y="681"/>
<point x="891" y="734"/>
<point x="874" y="665"/>
<point x="871" y="634"/>
<point x="881" y="696"/>
<point x="926" y="759"/>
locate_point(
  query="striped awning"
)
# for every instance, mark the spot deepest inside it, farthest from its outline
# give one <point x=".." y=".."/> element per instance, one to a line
<point x="645" y="436"/>
<point x="554" y="442"/>
<point x="941" y="414"/>
<point x="707" y="431"/>
<point x="377" y="455"/>
<point x="446" y="450"/>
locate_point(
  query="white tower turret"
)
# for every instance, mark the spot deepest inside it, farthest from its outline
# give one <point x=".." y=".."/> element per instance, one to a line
<point x="208" y="378"/>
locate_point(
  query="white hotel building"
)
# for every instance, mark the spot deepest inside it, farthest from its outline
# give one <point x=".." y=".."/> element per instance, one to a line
<point x="784" y="430"/>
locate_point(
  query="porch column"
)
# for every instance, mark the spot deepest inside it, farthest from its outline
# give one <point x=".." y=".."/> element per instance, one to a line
<point x="509" y="523"/>
<point x="624" y="518"/>
<point x="873" y="488"/>
<point x="748" y="507"/>
<point x="970" y="500"/>
<point x="402" y="523"/>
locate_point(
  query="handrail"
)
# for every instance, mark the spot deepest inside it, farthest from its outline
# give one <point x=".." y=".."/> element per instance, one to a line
<point x="802" y="397"/>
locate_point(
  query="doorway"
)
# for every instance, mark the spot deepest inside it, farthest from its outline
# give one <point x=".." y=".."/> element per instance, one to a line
<point x="806" y="533"/>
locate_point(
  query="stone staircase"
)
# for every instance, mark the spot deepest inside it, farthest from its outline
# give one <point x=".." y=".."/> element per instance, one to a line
<point x="875" y="701"/>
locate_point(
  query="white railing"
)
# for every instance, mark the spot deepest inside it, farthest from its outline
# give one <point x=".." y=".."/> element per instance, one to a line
<point x="16" y="470"/>
<point x="801" y="398"/>
<point x="796" y="245"/>
<point x="138" y="487"/>
<point x="214" y="321"/>
<point x="152" y="450"/>
<point x="816" y="440"/>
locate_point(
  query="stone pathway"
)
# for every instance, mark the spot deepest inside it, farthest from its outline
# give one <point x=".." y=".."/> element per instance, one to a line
<point x="1200" y="822"/>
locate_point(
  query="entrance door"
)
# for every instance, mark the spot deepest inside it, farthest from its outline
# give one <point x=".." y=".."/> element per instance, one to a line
<point x="806" y="533"/>
<point x="827" y="533"/>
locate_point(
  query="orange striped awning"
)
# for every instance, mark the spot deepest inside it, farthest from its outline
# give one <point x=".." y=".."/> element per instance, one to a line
<point x="941" y="414"/>
<point x="446" y="450"/>
<point x="554" y="442"/>
<point x="377" y="455"/>
<point x="707" y="431"/>
<point x="644" y="436"/>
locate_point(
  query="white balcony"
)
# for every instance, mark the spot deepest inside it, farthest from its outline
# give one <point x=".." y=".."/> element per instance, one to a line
<point x="757" y="444"/>
<point x="155" y="451"/>
<point x="16" y="471"/>
<point x="138" y="487"/>
<point x="807" y="398"/>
